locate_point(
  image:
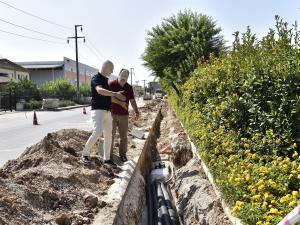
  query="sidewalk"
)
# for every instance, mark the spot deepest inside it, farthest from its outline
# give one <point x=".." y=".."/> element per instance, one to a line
<point x="58" y="109"/>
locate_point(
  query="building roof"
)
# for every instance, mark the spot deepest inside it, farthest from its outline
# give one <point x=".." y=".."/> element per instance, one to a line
<point x="42" y="64"/>
<point x="6" y="64"/>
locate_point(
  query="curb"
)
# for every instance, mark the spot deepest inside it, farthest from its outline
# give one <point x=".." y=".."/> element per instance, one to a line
<point x="44" y="110"/>
<point x="69" y="107"/>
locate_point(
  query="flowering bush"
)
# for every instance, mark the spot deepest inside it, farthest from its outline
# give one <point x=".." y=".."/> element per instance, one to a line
<point x="243" y="113"/>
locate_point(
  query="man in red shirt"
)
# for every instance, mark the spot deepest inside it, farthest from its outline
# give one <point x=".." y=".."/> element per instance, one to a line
<point x="119" y="111"/>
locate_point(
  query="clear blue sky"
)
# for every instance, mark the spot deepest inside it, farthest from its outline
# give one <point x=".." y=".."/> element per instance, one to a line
<point x="117" y="28"/>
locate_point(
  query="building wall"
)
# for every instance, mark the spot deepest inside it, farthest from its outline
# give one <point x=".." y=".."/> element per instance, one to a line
<point x="153" y="86"/>
<point x="12" y="74"/>
<point x="42" y="76"/>
<point x="72" y="76"/>
<point x="85" y="71"/>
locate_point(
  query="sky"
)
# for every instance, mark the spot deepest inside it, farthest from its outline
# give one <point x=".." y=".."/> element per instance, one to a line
<point x="117" y="29"/>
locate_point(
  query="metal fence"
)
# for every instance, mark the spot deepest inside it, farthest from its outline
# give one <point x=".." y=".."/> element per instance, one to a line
<point x="7" y="101"/>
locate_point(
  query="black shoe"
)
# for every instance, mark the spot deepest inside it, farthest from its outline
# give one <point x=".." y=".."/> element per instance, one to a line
<point x="84" y="159"/>
<point x="110" y="162"/>
<point x="123" y="159"/>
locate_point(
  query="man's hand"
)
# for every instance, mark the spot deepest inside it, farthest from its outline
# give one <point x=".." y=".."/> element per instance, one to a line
<point x="124" y="105"/>
<point x="120" y="103"/>
<point x="119" y="95"/>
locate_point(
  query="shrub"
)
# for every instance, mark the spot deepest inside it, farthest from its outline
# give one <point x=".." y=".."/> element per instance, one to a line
<point x="61" y="89"/>
<point x="24" y="89"/>
<point x="64" y="103"/>
<point x="33" y="104"/>
<point x="243" y="113"/>
<point x="85" y="90"/>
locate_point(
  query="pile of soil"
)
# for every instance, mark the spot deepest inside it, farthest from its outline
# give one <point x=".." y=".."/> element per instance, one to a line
<point x="48" y="182"/>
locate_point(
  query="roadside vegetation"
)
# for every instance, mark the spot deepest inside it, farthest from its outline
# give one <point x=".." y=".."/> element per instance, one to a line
<point x="241" y="107"/>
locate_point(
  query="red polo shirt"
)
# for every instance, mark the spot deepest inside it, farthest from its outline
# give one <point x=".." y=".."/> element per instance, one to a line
<point x="128" y="92"/>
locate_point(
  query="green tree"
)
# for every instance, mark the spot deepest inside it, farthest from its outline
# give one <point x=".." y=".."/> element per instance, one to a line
<point x="24" y="89"/>
<point x="175" y="47"/>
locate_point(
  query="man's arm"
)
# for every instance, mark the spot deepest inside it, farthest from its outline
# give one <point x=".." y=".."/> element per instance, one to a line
<point x="135" y="108"/>
<point x="108" y="93"/>
<point x="117" y="101"/>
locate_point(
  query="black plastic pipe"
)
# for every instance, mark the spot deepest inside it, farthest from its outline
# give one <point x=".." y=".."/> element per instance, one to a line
<point x="168" y="203"/>
<point x="163" y="214"/>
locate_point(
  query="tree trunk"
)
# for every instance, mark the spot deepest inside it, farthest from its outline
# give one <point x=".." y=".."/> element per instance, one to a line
<point x="176" y="89"/>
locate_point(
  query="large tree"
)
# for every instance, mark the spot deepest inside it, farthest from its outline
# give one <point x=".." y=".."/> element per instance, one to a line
<point x="174" y="47"/>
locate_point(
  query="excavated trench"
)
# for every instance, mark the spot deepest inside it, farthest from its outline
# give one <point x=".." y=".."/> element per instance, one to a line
<point x="168" y="185"/>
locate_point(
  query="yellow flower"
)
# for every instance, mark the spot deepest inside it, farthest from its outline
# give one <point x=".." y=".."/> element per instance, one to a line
<point x="295" y="155"/>
<point x="261" y="187"/>
<point x="292" y="203"/>
<point x="295" y="193"/>
<point x="294" y="172"/>
<point x="284" y="199"/>
<point x="267" y="195"/>
<point x="273" y="211"/>
<point x="295" y="145"/>
<point x="256" y="197"/>
<point x="247" y="177"/>
<point x="246" y="145"/>
<point x="259" y="223"/>
<point x="263" y="169"/>
<point x="278" y="141"/>
<point x="264" y="206"/>
<point x="253" y="156"/>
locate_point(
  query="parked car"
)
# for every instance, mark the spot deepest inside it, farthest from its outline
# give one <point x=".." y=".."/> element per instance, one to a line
<point x="158" y="94"/>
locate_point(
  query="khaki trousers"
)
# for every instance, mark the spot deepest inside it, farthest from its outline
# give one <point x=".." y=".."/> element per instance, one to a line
<point x="120" y="122"/>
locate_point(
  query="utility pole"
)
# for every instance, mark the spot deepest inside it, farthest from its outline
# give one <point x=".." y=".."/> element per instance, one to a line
<point x="131" y="71"/>
<point x="144" y="87"/>
<point x="76" y="50"/>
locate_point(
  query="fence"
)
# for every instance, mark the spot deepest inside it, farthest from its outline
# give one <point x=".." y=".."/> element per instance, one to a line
<point x="7" y="101"/>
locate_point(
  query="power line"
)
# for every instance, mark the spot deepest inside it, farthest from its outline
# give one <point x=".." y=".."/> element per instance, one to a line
<point x="89" y="41"/>
<point x="30" y="14"/>
<point x="82" y="56"/>
<point x="33" y="38"/>
<point x="16" y="25"/>
<point x="93" y="52"/>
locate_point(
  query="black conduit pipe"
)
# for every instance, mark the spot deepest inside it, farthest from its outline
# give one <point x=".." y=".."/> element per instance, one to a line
<point x="168" y="202"/>
<point x="162" y="207"/>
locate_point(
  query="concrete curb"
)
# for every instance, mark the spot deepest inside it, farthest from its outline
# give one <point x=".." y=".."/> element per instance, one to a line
<point x="69" y="107"/>
<point x="44" y="110"/>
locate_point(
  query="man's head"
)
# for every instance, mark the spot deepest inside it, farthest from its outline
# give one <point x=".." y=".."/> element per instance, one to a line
<point x="123" y="76"/>
<point x="107" y="68"/>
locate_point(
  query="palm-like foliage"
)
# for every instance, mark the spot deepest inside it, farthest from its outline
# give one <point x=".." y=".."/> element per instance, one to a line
<point x="174" y="47"/>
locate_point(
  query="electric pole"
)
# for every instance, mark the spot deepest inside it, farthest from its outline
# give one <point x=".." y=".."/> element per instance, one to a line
<point x="144" y="87"/>
<point x="76" y="50"/>
<point x="131" y="71"/>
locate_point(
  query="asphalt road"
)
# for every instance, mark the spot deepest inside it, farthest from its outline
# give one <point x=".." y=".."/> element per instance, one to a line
<point x="17" y="131"/>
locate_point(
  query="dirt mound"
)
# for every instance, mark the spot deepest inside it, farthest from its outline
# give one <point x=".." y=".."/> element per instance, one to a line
<point x="48" y="185"/>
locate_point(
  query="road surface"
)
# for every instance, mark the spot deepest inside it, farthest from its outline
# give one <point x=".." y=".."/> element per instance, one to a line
<point x="17" y="131"/>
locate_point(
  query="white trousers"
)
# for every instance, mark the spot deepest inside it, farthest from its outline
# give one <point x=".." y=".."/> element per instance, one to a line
<point x="102" y="122"/>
